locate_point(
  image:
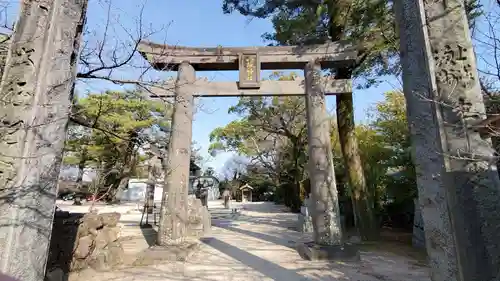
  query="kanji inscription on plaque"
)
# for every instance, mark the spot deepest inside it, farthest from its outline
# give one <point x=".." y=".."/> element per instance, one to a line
<point x="249" y="68"/>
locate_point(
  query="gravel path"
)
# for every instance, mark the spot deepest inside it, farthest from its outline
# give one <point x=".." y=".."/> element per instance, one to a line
<point x="259" y="245"/>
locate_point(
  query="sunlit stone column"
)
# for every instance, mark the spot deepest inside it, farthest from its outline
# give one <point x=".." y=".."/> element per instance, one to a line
<point x="325" y="210"/>
<point x="173" y="212"/>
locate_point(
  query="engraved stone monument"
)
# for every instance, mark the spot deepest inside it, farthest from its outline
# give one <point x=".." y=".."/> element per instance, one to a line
<point x="458" y="185"/>
<point x="36" y="94"/>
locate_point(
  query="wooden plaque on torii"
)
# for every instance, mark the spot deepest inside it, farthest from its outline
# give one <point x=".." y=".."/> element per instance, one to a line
<point x="249" y="70"/>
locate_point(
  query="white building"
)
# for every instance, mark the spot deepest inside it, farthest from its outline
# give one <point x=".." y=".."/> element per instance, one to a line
<point x="136" y="191"/>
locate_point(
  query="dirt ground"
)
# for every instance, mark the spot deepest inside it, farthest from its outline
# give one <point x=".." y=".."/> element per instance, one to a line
<point x="259" y="244"/>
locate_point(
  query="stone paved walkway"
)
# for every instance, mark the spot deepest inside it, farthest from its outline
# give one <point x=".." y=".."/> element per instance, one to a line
<point x="258" y="245"/>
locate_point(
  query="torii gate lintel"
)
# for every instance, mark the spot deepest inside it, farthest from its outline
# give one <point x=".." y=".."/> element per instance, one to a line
<point x="249" y="61"/>
<point x="169" y="57"/>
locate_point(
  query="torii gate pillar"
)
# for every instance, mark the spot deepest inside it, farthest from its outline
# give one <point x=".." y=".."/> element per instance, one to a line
<point x="173" y="214"/>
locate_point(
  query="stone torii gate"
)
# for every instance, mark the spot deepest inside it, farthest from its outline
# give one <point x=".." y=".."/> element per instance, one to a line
<point x="249" y="62"/>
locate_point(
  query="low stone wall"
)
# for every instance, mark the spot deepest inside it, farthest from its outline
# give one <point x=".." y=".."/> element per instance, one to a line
<point x="82" y="241"/>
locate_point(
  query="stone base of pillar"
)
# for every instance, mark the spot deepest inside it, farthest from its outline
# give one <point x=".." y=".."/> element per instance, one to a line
<point x="305" y="224"/>
<point x="312" y="251"/>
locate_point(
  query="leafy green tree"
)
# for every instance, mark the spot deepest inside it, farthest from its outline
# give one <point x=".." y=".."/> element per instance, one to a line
<point x="77" y="153"/>
<point x="391" y="126"/>
<point x="120" y="123"/>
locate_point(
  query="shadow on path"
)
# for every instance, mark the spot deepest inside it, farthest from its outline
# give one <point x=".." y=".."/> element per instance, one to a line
<point x="262" y="236"/>
<point x="264" y="207"/>
<point x="261" y="265"/>
<point x="281" y="222"/>
<point x="149" y="235"/>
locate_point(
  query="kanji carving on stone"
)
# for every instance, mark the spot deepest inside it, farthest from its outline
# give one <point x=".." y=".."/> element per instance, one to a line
<point x="23" y="56"/>
<point x="431" y="3"/>
<point x="452" y="66"/>
<point x="16" y="93"/>
<point x="463" y="109"/>
<point x="477" y="168"/>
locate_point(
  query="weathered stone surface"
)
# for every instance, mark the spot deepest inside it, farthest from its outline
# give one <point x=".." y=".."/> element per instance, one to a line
<point x="110" y="219"/>
<point x="418" y="88"/>
<point x="105" y="236"/>
<point x="198" y="218"/>
<point x="90" y="223"/>
<point x="324" y="207"/>
<point x="459" y="189"/>
<point x="83" y="247"/>
<point x="173" y="214"/>
<point x="100" y="260"/>
<point x="35" y="100"/>
<point x="194" y="210"/>
<point x="69" y="251"/>
<point x="418" y="238"/>
<point x="331" y="54"/>
<point x="116" y="253"/>
<point x="304" y="218"/>
<point x="207" y="88"/>
<point x="107" y="258"/>
<point x="312" y="251"/>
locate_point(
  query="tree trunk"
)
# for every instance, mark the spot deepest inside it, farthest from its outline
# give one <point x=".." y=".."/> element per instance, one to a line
<point x="363" y="209"/>
<point x="360" y="195"/>
<point x="298" y="190"/>
<point x="129" y="159"/>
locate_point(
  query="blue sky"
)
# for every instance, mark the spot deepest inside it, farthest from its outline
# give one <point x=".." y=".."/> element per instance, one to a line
<point x="202" y="23"/>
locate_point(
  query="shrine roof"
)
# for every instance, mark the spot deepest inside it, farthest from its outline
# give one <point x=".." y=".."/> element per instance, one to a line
<point x="246" y="186"/>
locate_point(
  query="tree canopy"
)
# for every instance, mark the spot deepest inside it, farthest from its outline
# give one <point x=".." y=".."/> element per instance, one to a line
<point x="108" y="131"/>
<point x="370" y="25"/>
